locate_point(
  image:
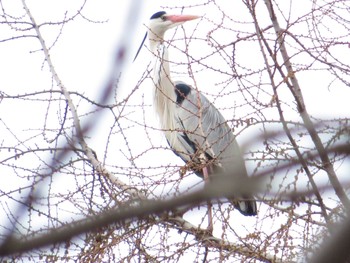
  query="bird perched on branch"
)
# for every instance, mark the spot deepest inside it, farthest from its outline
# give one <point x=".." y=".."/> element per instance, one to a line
<point x="195" y="130"/>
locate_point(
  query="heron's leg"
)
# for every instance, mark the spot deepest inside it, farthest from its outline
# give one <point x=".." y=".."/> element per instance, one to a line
<point x="210" y="214"/>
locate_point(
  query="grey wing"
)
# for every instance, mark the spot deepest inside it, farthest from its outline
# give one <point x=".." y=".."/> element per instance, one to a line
<point x="200" y="131"/>
<point x="204" y="130"/>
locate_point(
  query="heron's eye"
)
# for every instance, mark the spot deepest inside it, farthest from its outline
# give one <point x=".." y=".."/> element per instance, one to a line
<point x="163" y="18"/>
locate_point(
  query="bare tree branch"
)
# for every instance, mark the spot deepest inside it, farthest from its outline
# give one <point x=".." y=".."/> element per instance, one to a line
<point x="296" y="91"/>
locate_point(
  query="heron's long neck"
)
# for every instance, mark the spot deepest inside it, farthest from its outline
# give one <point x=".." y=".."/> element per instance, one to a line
<point x="164" y="94"/>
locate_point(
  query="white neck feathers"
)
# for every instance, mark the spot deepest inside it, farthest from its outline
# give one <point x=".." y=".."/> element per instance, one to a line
<point x="164" y="94"/>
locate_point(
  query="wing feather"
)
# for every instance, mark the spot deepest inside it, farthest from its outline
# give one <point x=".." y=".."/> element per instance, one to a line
<point x="201" y="128"/>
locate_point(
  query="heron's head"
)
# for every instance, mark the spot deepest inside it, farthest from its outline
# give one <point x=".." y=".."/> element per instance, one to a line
<point x="161" y="22"/>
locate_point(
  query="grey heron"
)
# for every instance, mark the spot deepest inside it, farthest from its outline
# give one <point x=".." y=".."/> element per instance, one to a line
<point x="195" y="130"/>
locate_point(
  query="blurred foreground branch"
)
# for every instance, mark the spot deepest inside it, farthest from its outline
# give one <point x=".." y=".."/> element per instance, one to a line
<point x="222" y="186"/>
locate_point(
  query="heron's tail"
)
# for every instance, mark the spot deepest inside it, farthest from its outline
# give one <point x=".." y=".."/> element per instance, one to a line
<point x="246" y="205"/>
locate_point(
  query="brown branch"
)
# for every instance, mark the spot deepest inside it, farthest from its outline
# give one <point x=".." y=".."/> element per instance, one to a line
<point x="280" y="111"/>
<point x="296" y="91"/>
<point x="335" y="248"/>
<point x="216" y="189"/>
<point x="222" y="186"/>
<point x="79" y="131"/>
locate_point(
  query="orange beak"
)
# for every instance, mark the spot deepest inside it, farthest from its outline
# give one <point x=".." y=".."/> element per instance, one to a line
<point x="181" y="18"/>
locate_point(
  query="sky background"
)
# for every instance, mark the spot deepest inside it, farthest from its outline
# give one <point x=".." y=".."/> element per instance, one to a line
<point x="83" y="53"/>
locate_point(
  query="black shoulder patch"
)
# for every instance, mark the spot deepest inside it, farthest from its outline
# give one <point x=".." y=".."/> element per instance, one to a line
<point x="181" y="91"/>
<point x="158" y="15"/>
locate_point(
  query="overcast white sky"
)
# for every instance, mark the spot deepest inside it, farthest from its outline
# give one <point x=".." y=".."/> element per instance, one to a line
<point x="83" y="58"/>
<point x="83" y="55"/>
